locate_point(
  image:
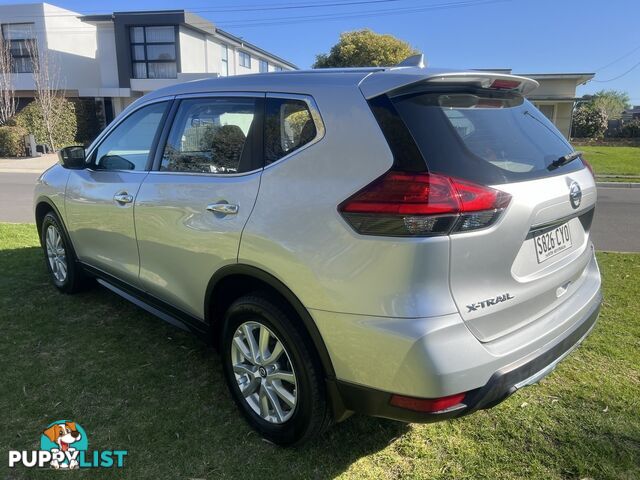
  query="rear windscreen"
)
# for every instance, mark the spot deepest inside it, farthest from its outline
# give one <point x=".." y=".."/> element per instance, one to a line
<point x="486" y="137"/>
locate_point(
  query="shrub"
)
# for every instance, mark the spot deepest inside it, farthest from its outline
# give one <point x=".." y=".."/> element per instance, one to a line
<point x="589" y="122"/>
<point x="87" y="121"/>
<point x="12" y="141"/>
<point x="66" y="128"/>
<point x="631" y="129"/>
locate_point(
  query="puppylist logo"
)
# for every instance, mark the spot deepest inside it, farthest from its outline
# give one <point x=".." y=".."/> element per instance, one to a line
<point x="64" y="445"/>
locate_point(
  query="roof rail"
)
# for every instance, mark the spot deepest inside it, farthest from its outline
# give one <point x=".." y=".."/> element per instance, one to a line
<point x="413" y="61"/>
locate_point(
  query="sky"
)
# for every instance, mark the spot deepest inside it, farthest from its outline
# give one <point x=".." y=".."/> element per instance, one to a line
<point x="542" y="36"/>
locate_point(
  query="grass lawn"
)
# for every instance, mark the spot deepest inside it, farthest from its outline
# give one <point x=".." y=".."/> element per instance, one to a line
<point x="135" y="383"/>
<point x="613" y="160"/>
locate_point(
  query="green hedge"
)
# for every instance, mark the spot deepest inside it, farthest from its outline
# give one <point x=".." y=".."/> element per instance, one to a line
<point x="87" y="121"/>
<point x="12" y="141"/>
<point x="77" y="122"/>
<point x="30" y="117"/>
<point x="631" y="129"/>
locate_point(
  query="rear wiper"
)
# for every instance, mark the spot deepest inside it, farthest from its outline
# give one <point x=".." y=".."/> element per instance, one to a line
<point x="569" y="157"/>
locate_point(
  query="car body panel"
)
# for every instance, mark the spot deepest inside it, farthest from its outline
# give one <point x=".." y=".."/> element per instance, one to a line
<point x="50" y="188"/>
<point x="181" y="243"/>
<point x="439" y="356"/>
<point x="101" y="229"/>
<point x="309" y="246"/>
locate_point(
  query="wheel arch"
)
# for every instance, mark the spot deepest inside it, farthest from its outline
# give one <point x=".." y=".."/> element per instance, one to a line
<point x="45" y="205"/>
<point x="232" y="281"/>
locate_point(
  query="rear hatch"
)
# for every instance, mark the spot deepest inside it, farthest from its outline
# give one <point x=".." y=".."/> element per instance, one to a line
<point x="534" y="256"/>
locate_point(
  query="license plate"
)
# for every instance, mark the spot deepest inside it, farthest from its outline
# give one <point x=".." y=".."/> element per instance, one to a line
<point x="551" y="243"/>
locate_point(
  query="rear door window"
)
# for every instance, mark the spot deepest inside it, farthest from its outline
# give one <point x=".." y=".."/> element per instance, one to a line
<point x="215" y="135"/>
<point x="484" y="136"/>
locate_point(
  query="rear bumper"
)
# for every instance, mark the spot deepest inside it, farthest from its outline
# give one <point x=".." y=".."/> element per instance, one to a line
<point x="428" y="358"/>
<point x="501" y="385"/>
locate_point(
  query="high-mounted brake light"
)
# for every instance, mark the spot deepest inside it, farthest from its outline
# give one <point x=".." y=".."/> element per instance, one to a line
<point x="422" y="204"/>
<point x="505" y="84"/>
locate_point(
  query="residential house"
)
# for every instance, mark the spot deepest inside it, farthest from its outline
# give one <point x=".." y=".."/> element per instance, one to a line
<point x="556" y="95"/>
<point x="116" y="58"/>
<point x="631" y="113"/>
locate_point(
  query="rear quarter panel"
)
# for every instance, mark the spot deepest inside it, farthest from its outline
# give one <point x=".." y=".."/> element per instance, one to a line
<point x="296" y="233"/>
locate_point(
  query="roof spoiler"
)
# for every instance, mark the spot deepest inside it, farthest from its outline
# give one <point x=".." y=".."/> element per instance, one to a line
<point x="395" y="79"/>
<point x="499" y="81"/>
<point x="413" y="61"/>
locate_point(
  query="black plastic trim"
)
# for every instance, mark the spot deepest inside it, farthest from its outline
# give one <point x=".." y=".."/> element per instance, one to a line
<point x="406" y="155"/>
<point x="585" y="217"/>
<point x="148" y="302"/>
<point x="499" y="387"/>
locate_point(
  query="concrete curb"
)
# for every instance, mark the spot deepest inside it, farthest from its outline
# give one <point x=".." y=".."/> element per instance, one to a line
<point x="21" y="170"/>
<point x="618" y="184"/>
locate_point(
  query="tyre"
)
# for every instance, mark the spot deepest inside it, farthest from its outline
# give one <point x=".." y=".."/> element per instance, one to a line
<point x="64" y="270"/>
<point x="273" y="372"/>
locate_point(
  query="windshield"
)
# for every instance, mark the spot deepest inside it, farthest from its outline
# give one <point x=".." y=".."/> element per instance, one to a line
<point x="485" y="136"/>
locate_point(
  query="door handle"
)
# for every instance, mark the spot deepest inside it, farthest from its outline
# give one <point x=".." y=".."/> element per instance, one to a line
<point x="223" y="208"/>
<point x="123" y="198"/>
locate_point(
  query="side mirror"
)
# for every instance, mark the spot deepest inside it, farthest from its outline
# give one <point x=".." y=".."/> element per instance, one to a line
<point x="72" y="157"/>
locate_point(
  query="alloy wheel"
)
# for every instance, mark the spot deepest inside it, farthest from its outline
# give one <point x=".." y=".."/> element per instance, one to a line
<point x="264" y="372"/>
<point x="56" y="253"/>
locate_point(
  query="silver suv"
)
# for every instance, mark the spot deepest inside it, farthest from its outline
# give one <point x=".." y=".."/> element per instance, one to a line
<point x="403" y="242"/>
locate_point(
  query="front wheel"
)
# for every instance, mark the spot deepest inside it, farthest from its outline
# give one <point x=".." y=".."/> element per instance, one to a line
<point x="272" y="371"/>
<point x="63" y="268"/>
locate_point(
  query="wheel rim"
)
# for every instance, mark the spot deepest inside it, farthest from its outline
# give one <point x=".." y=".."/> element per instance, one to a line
<point x="56" y="253"/>
<point x="264" y="372"/>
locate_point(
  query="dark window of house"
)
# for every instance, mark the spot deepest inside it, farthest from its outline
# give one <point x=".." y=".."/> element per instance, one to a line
<point x="288" y="126"/>
<point x="213" y="135"/>
<point x="153" y="52"/>
<point x="245" y="59"/>
<point x="21" y="38"/>
<point x="264" y="66"/>
<point x="224" y="60"/>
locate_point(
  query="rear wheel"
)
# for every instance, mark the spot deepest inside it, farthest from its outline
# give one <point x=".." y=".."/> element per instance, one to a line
<point x="64" y="270"/>
<point x="272" y="371"/>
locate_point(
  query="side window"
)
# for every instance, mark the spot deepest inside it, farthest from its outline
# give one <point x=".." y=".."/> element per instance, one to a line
<point x="212" y="135"/>
<point x="288" y="126"/>
<point x="128" y="146"/>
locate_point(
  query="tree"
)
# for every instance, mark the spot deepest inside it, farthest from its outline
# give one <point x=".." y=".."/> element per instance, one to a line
<point x="613" y="102"/>
<point x="7" y="90"/>
<point x="46" y="78"/>
<point x="589" y="121"/>
<point x="365" y="48"/>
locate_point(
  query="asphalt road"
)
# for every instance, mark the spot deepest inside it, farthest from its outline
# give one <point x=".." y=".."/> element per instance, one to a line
<point x="616" y="226"/>
<point x="16" y="197"/>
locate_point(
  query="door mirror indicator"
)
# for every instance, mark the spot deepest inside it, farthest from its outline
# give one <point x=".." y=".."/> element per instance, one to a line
<point x="72" y="157"/>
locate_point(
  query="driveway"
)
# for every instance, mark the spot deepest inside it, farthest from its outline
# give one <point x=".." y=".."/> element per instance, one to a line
<point x="616" y="226"/>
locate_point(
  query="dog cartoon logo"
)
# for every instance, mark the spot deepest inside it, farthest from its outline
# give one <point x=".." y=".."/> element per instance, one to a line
<point x="65" y="437"/>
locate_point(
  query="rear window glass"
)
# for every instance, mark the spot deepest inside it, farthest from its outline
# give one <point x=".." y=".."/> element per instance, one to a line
<point x="486" y="137"/>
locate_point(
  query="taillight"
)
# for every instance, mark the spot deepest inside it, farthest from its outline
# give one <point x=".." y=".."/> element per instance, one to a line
<point x="588" y="165"/>
<point x="422" y="204"/>
<point x="428" y="405"/>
